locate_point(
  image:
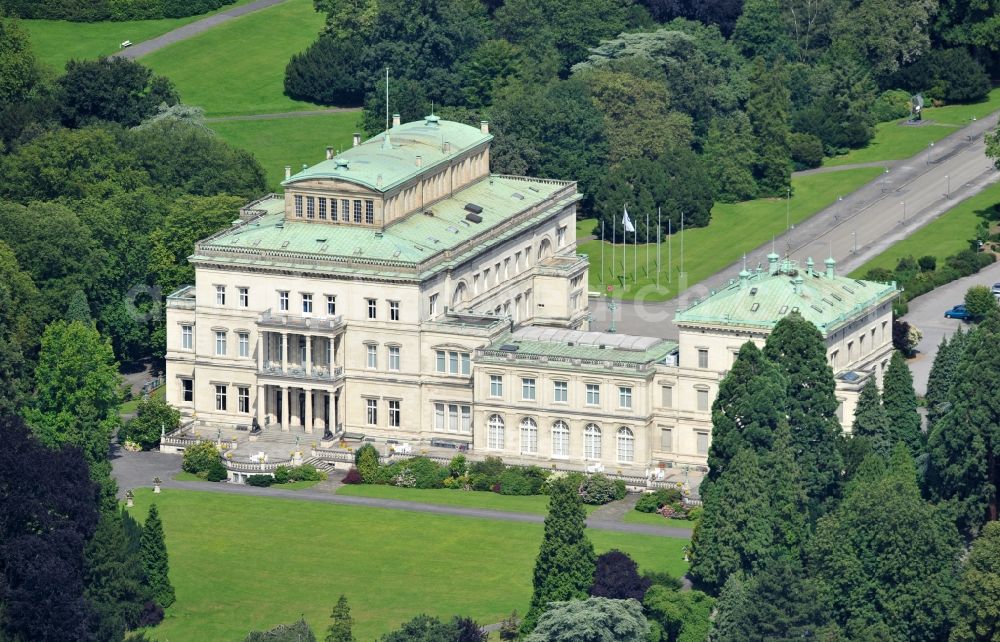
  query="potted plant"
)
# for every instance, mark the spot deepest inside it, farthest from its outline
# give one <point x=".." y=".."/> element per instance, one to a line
<point x="129" y="498"/>
<point x="156" y="485"/>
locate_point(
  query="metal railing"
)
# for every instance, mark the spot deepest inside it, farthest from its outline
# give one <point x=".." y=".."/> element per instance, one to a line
<point x="269" y="318"/>
<point x="320" y="373"/>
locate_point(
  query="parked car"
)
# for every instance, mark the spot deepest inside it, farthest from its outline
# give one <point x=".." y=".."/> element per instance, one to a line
<point x="995" y="289"/>
<point x="957" y="312"/>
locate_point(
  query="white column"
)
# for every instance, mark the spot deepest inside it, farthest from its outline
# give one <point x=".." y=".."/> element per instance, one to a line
<point x="332" y="356"/>
<point x="260" y="351"/>
<point x="261" y="399"/>
<point x="309" y="409"/>
<point x="284" y="407"/>
<point x="284" y="352"/>
<point x="309" y="343"/>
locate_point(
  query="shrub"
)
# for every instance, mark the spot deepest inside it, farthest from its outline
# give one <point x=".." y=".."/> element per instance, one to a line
<point x="457" y="466"/>
<point x="366" y="459"/>
<point x="426" y="472"/>
<point x="306" y="472"/>
<point x="891" y="105"/>
<point x="950" y="75"/>
<point x="198" y="457"/>
<point x="152" y="415"/>
<point x="652" y="502"/>
<point x="484" y="475"/>
<point x="599" y="489"/>
<point x="979" y="301"/>
<point x="659" y="578"/>
<point x="404" y="479"/>
<point x="216" y="472"/>
<point x="353" y="476"/>
<point x="927" y="263"/>
<point x="806" y="150"/>
<point x="695" y="512"/>
<point x="513" y="481"/>
<point x="328" y="73"/>
<point x="262" y="481"/>
<point x="282" y="474"/>
<point x="151" y="614"/>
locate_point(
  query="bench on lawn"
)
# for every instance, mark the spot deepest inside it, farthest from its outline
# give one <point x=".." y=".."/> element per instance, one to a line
<point x="127" y="43"/>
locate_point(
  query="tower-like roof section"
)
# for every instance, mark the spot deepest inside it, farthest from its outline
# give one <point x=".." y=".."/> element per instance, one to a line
<point x="390" y="159"/>
<point x="761" y="299"/>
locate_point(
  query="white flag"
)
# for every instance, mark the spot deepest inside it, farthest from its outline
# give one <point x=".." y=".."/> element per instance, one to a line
<point x="627" y="222"/>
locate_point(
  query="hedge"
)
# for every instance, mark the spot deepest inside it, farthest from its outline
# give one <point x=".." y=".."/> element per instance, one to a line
<point x="108" y="10"/>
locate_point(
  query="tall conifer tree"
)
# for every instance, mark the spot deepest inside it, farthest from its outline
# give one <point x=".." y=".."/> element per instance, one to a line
<point x="564" y="569"/>
<point x="768" y="108"/>
<point x="798" y="349"/>
<point x="870" y="421"/>
<point x="900" y="403"/>
<point x="153" y="553"/>
<point x="977" y="609"/>
<point x="789" y="513"/>
<point x="340" y="629"/>
<point x="942" y="374"/>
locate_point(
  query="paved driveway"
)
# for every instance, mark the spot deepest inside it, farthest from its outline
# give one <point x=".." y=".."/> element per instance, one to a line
<point x="927" y="314"/>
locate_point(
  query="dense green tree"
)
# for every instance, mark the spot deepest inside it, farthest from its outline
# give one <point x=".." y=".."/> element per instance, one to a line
<point x="979" y="301"/>
<point x="942" y="376"/>
<point x="114" y="578"/>
<point x="977" y="607"/>
<point x="798" y="349"/>
<point x="768" y="111"/>
<point x="839" y="103"/>
<point x="747" y="411"/>
<point x="47" y="514"/>
<point x="678" y="616"/>
<point x="595" y="619"/>
<point x="490" y="68"/>
<point x="993" y="146"/>
<point x="348" y="18"/>
<point x="730" y="157"/>
<point x="789" y="514"/>
<point x="760" y="31"/>
<point x="114" y="89"/>
<point x="735" y="532"/>
<point x="886" y="34"/>
<point x="732" y="602"/>
<point x="718" y="13"/>
<point x="871" y="423"/>
<point x="297" y="632"/>
<point x="340" y="629"/>
<point x="972" y="23"/>
<point x="564" y="569"/>
<point x="19" y="70"/>
<point x="964" y="446"/>
<point x="155" y="563"/>
<point x="887" y="555"/>
<point x="78" y="308"/>
<point x="77" y="397"/>
<point x="949" y="75"/>
<point x="900" y="403"/>
<point x="409" y="100"/>
<point x="153" y="415"/>
<point x="329" y="72"/>
<point x="616" y="576"/>
<point x="19" y="327"/>
<point x="425" y="628"/>
<point x="366" y="459"/>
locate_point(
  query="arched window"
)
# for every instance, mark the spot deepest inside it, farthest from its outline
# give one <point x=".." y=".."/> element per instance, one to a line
<point x="592" y="442"/>
<point x="544" y="249"/>
<point x="626" y="445"/>
<point x="494" y="436"/>
<point x="560" y="439"/>
<point x="529" y="436"/>
<point x="460" y="296"/>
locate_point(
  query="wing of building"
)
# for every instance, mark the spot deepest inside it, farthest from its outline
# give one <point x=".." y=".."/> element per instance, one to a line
<point x="400" y="292"/>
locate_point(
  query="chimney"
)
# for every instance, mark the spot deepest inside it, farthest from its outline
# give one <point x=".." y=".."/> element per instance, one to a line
<point x="831" y="268"/>
<point x="329" y="153"/>
<point x="484" y="126"/>
<point x="772" y="263"/>
<point x="395" y="120"/>
<point x="809" y="266"/>
<point x="288" y="172"/>
<point x="797" y="283"/>
<point x="419" y="161"/>
<point x="447" y="146"/>
<point x="378" y="181"/>
<point x="357" y="139"/>
<point x="744" y="277"/>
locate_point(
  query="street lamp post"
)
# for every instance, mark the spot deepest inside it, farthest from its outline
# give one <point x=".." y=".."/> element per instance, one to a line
<point x="840" y="206"/>
<point x="903" y="203"/>
<point x="885" y="175"/>
<point x="930" y="153"/>
<point x="854" y="242"/>
<point x="947" y="177"/>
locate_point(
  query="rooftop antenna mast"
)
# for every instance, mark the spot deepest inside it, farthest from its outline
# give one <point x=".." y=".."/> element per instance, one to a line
<point x="386" y="99"/>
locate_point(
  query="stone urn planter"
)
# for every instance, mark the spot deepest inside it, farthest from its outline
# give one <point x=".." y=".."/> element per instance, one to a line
<point x="129" y="499"/>
<point x="156" y="485"/>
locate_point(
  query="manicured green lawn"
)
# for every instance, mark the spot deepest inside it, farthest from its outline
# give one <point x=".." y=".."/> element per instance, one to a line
<point x="242" y="562"/>
<point x="131" y="405"/>
<point x="538" y="504"/>
<point x="277" y="142"/>
<point x="942" y="237"/>
<point x="298" y="485"/>
<point x="238" y="67"/>
<point x="56" y="41"/>
<point x="894" y="141"/>
<point x="185" y="476"/>
<point x="635" y="517"/>
<point x="734" y="229"/>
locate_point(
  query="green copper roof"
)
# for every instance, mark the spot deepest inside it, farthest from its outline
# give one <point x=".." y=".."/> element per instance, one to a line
<point x="558" y="344"/>
<point x="763" y="298"/>
<point x="407" y="243"/>
<point x="393" y="155"/>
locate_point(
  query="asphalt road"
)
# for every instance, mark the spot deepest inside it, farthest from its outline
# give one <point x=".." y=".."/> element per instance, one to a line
<point x="859" y="227"/>
<point x="926" y="313"/>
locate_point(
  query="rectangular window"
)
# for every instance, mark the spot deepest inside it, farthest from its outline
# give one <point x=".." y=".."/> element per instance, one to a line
<point x="243" y="398"/>
<point x="496" y="385"/>
<point x="439" y="417"/>
<point x="667" y="439"/>
<point x="220" y="342"/>
<point x="333" y="209"/>
<point x="593" y="394"/>
<point x="187" y="390"/>
<point x="357" y="211"/>
<point x="466" y="363"/>
<point x="244" y="297"/>
<point x="220" y="295"/>
<point x="187" y="337"/>
<point x="298" y="206"/>
<point x="345" y="210"/>
<point x="283" y="300"/>
<point x="453" y="362"/>
<point x="433" y="305"/>
<point x="453" y="417"/>
<point x="310" y="207"/>
<point x="528" y="388"/>
<point x="667" y="396"/>
<point x="322" y="208"/>
<point x="561" y="236"/>
<point x="307" y="304"/>
<point x="331" y="305"/>
<point x="372" y="356"/>
<point x="702" y="442"/>
<point x="371" y="407"/>
<point x="702" y="399"/>
<point x="850" y="351"/>
<point x="394" y="413"/>
<point x="441" y="363"/>
<point x="702" y="357"/>
<point x="220" y="397"/>
<point x="466" y="419"/>
<point x="244" y="344"/>
<point x="394" y="358"/>
<point x="370" y="212"/>
<point x="624" y="397"/>
<point x="372" y="308"/>
<point x="394" y="310"/>
<point x="560" y="391"/>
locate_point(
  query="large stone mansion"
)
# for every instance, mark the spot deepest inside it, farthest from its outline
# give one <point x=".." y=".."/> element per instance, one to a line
<point x="400" y="291"/>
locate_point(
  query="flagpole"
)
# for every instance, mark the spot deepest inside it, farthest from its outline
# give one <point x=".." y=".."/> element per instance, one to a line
<point x="635" y="254"/>
<point x="670" y="252"/>
<point x="647" y="245"/>
<point x="682" y="244"/>
<point x="602" y="252"/>
<point x="657" y="248"/>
